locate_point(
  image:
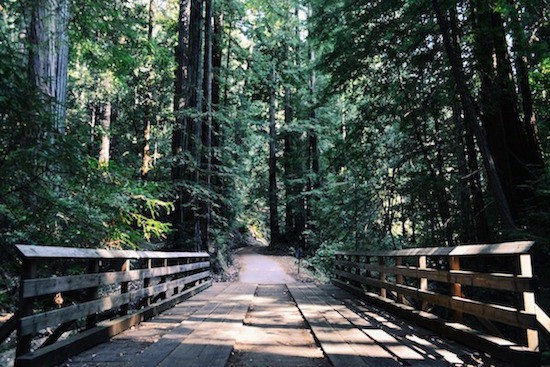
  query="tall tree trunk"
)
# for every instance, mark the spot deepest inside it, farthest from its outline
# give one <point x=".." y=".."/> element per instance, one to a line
<point x="49" y="55"/>
<point x="470" y="114"/>
<point x="313" y="149"/>
<point x="105" y="148"/>
<point x="441" y="187"/>
<point x="465" y="233"/>
<point x="145" y="151"/>
<point x="196" y="77"/>
<point x="513" y="143"/>
<point x="473" y="175"/>
<point x="206" y="163"/>
<point x="182" y="215"/>
<point x="216" y="163"/>
<point x="273" y="202"/>
<point x="227" y="61"/>
<point x="435" y="172"/>
<point x="287" y="153"/>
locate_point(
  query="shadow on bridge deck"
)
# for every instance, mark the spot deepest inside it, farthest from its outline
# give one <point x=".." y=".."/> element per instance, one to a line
<point x="239" y="324"/>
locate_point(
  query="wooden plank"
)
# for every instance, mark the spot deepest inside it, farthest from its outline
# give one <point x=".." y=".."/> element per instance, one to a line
<point x="147" y="282"/>
<point x="91" y="292"/>
<point x="35" y="323"/>
<point x="54" y="252"/>
<point x="124" y="288"/>
<point x="211" y="343"/>
<point x="456" y="287"/>
<point x="399" y="279"/>
<point x="61" y="329"/>
<point x="408" y="335"/>
<point x="501" y="281"/>
<point x="423" y="282"/>
<point x="25" y="308"/>
<point x="343" y="344"/>
<point x="155" y="354"/>
<point x="506" y="315"/>
<point x="505" y="248"/>
<point x="543" y="319"/>
<point x="59" y="352"/>
<point x="528" y="300"/>
<point x="44" y="286"/>
<point x="374" y="331"/>
<point x="382" y="276"/>
<point x="499" y="348"/>
<point x="161" y="350"/>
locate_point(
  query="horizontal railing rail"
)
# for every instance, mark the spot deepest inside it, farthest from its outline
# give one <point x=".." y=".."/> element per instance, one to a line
<point x="114" y="290"/>
<point x="481" y="294"/>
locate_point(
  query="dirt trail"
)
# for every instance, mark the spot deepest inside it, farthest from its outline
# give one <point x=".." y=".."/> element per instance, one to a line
<point x="261" y="269"/>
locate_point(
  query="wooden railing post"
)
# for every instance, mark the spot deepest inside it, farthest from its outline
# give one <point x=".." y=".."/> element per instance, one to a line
<point x="399" y="279"/>
<point x="93" y="267"/>
<point x="456" y="288"/>
<point x="178" y="275"/>
<point x="336" y="267"/>
<point x="528" y="300"/>
<point x="28" y="271"/>
<point x="368" y="272"/>
<point x="163" y="279"/>
<point x="382" y="275"/>
<point x="147" y="282"/>
<point x="423" y="282"/>
<point x="124" y="288"/>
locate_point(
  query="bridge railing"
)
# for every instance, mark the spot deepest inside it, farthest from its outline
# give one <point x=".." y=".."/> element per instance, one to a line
<point x="114" y="290"/>
<point x="487" y="287"/>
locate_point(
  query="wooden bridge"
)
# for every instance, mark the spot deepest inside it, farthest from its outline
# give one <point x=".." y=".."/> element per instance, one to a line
<point x="465" y="305"/>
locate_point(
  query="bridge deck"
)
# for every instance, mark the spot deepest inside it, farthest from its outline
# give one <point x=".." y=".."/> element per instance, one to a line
<point x="205" y="330"/>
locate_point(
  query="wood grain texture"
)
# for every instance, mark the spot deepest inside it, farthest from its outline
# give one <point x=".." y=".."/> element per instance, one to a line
<point x="52" y="252"/>
<point x="501" y="281"/>
<point x="503" y="314"/>
<point x="505" y="248"/>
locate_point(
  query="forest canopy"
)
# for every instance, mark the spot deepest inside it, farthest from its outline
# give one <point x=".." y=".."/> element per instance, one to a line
<point x="317" y="125"/>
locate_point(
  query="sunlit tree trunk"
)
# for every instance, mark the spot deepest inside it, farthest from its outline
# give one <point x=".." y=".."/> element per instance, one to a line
<point x="105" y="148"/>
<point x="216" y="163"/>
<point x="273" y="201"/>
<point x="49" y="55"/>
<point x="146" y="160"/>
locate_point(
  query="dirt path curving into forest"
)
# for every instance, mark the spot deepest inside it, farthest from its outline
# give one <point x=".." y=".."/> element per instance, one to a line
<point x="261" y="269"/>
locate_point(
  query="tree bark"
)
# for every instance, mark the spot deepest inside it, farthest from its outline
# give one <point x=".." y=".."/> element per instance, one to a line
<point x="145" y="152"/>
<point x="49" y="55"/>
<point x="470" y="114"/>
<point x="206" y="163"/>
<point x="514" y="143"/>
<point x="273" y="201"/>
<point x="105" y="148"/>
<point x="182" y="214"/>
<point x="473" y="175"/>
<point x="313" y="149"/>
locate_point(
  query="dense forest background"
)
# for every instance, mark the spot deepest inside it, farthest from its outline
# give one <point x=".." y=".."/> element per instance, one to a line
<point x="316" y="125"/>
